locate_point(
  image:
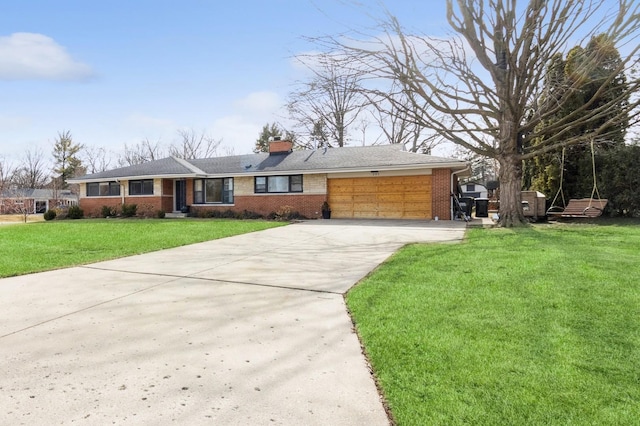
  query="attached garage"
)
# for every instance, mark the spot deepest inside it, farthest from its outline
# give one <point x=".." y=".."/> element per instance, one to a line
<point x="392" y="197"/>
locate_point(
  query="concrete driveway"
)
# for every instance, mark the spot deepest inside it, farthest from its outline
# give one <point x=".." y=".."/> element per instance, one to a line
<point x="244" y="330"/>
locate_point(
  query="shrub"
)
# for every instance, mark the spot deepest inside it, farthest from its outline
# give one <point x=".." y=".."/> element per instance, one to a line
<point x="228" y="214"/>
<point x="49" y="215"/>
<point x="160" y="214"/>
<point x="107" y="211"/>
<point x="75" y="212"/>
<point x="61" y="212"/>
<point x="285" y="213"/>
<point x="129" y="210"/>
<point x="247" y="214"/>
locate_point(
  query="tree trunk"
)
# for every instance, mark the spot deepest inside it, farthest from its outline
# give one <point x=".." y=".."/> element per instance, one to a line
<point x="511" y="214"/>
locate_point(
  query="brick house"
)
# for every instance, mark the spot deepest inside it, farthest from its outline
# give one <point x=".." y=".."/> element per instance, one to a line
<point x="357" y="182"/>
<point x="31" y="201"/>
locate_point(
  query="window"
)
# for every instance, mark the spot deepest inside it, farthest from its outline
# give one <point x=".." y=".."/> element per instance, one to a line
<point x="141" y="187"/>
<point x="212" y="191"/>
<point x="103" y="189"/>
<point x="278" y="184"/>
<point x="471" y="187"/>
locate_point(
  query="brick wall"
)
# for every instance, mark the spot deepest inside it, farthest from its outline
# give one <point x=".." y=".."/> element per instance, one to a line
<point x="92" y="206"/>
<point x="441" y="193"/>
<point x="306" y="205"/>
<point x="147" y="206"/>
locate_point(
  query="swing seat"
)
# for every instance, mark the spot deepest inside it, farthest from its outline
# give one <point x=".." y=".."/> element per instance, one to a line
<point x="581" y="208"/>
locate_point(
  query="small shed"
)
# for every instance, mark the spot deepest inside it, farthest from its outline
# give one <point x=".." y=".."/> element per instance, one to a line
<point x="534" y="204"/>
<point x="474" y="190"/>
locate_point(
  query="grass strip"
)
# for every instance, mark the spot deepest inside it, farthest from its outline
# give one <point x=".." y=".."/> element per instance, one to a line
<point x="527" y="326"/>
<point x="36" y="247"/>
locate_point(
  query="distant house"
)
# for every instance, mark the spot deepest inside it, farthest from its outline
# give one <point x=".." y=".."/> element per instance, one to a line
<point x="474" y="190"/>
<point x="17" y="200"/>
<point x="357" y="182"/>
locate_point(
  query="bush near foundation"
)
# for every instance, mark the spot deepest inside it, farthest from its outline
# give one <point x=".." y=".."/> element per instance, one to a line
<point x="129" y="210"/>
<point x="75" y="212"/>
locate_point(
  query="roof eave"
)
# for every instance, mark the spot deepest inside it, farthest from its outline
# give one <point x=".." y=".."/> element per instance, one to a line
<point x="455" y="165"/>
<point x="136" y="177"/>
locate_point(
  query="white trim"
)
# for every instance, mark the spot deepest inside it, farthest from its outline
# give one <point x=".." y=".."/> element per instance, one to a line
<point x="136" y="177"/>
<point x="380" y="173"/>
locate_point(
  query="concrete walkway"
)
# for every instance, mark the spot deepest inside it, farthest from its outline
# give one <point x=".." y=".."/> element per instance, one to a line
<point x="244" y="330"/>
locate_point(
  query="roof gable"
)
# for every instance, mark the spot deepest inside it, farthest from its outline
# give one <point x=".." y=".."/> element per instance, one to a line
<point x="170" y="166"/>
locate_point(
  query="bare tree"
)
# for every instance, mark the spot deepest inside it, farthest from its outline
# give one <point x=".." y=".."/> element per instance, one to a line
<point x="31" y="173"/>
<point x="96" y="159"/>
<point x="330" y="101"/>
<point x="480" y="89"/>
<point x="6" y="174"/>
<point x="194" y="145"/>
<point x="21" y="203"/>
<point x="399" y="127"/>
<point x="141" y="153"/>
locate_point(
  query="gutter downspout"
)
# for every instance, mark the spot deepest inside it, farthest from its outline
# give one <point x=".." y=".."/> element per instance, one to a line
<point x="451" y="188"/>
<point x="121" y="191"/>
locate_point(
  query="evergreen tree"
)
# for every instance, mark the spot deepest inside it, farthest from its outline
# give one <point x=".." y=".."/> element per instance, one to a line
<point x="589" y="69"/>
<point x="268" y="133"/>
<point x="66" y="157"/>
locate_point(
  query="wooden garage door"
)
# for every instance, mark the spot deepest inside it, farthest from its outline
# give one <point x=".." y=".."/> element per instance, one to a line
<point x="397" y="197"/>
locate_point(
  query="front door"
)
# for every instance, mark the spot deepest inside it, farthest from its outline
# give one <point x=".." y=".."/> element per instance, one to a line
<point x="181" y="195"/>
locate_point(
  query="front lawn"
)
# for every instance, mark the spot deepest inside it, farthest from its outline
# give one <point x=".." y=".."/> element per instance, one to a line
<point x="42" y="246"/>
<point x="536" y="326"/>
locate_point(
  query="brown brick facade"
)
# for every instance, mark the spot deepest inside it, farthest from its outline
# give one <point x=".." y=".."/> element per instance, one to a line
<point x="441" y="181"/>
<point x="147" y="206"/>
<point x="306" y="205"/>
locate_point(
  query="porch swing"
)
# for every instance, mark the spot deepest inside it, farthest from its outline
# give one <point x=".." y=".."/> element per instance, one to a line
<point x="578" y="207"/>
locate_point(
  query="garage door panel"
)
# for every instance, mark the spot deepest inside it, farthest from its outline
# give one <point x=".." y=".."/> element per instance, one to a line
<point x="342" y="214"/>
<point x="389" y="182"/>
<point x="361" y="189"/>
<point x="383" y="197"/>
<point x="341" y="198"/>
<point x="365" y="198"/>
<point x="389" y="207"/>
<point x="342" y="190"/>
<point x="390" y="215"/>
<point x="372" y="207"/>
<point x="361" y="181"/>
<point x="390" y="198"/>
<point x="416" y="207"/>
<point x="365" y="214"/>
<point x="409" y="215"/>
<point x="413" y="188"/>
<point x="417" y="197"/>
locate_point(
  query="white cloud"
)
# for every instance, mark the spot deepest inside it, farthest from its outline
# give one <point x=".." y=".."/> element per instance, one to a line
<point x="31" y="56"/>
<point x="12" y="122"/>
<point x="237" y="132"/>
<point x="240" y="128"/>
<point x="259" y="102"/>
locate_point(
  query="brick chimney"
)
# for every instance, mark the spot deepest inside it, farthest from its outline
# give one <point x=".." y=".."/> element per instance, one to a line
<point x="278" y="146"/>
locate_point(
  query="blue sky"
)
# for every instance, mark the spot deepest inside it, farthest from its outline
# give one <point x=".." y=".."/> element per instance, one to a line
<point x="116" y="72"/>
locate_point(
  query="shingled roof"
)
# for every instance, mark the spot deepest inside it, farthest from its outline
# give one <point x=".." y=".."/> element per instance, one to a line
<point x="332" y="160"/>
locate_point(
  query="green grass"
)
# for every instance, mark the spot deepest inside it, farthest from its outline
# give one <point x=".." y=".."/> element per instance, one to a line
<point x="42" y="246"/>
<point x="537" y="326"/>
